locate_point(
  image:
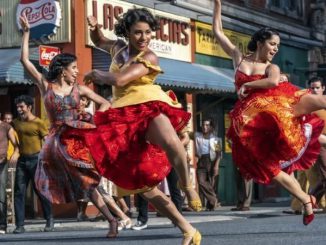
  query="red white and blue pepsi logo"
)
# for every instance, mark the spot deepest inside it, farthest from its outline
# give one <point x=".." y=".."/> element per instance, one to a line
<point x="43" y="16"/>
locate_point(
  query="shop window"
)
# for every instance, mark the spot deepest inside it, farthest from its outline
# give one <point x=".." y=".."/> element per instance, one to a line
<point x="291" y="8"/>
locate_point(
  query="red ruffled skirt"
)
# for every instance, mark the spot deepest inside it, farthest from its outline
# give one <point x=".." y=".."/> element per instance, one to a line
<point x="267" y="137"/>
<point x="119" y="147"/>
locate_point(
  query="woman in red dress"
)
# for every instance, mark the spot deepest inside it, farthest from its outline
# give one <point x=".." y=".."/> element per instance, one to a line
<point x="136" y="139"/>
<point x="272" y="131"/>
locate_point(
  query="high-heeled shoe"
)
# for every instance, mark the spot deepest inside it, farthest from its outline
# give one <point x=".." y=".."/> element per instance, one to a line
<point x="124" y="224"/>
<point x="195" y="238"/>
<point x="308" y="218"/>
<point x="195" y="204"/>
<point x="113" y="232"/>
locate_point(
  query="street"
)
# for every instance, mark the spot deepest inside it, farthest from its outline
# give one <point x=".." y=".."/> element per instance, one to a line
<point x="261" y="226"/>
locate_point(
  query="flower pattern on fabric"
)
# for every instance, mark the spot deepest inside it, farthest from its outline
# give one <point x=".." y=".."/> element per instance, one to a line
<point x="65" y="171"/>
<point x="265" y="133"/>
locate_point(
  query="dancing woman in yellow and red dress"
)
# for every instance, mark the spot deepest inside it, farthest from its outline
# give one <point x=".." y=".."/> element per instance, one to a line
<point x="136" y="139"/>
<point x="272" y="131"/>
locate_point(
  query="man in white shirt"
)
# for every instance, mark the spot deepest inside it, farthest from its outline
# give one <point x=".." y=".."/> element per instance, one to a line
<point x="209" y="152"/>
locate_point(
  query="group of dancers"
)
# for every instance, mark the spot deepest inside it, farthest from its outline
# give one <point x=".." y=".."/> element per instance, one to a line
<point x="134" y="141"/>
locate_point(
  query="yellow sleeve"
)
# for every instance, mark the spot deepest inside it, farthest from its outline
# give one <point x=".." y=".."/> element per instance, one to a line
<point x="43" y="129"/>
<point x="148" y="64"/>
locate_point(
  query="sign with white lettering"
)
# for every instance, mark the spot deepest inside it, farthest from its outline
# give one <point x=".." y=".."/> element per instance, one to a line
<point x="46" y="54"/>
<point x="43" y="16"/>
<point x="172" y="40"/>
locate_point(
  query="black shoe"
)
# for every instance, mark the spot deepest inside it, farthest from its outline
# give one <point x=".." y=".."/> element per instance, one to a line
<point x="19" y="230"/>
<point x="49" y="225"/>
<point x="82" y="217"/>
<point x="214" y="207"/>
<point x="129" y="214"/>
<point x="139" y="226"/>
<point x="98" y="218"/>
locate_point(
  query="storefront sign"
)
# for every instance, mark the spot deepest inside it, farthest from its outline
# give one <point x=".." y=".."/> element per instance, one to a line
<point x="46" y="54"/>
<point x="171" y="41"/>
<point x="40" y="15"/>
<point x="43" y="16"/>
<point x="206" y="43"/>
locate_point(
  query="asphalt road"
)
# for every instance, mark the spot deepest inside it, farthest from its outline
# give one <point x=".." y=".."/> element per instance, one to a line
<point x="262" y="227"/>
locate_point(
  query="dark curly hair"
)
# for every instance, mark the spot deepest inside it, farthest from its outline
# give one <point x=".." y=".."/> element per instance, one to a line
<point x="58" y="63"/>
<point x="261" y="36"/>
<point x="27" y="99"/>
<point x="316" y="79"/>
<point x="133" y="16"/>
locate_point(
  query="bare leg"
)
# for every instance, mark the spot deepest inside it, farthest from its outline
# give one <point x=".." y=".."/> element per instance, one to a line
<point x="123" y="205"/>
<point x="309" y="103"/>
<point x="166" y="207"/>
<point x="114" y="207"/>
<point x="161" y="132"/>
<point x="322" y="140"/>
<point x="292" y="185"/>
<point x="125" y="221"/>
<point x="98" y="201"/>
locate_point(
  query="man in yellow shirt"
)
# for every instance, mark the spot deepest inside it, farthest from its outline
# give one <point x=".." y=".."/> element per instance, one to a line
<point x="31" y="131"/>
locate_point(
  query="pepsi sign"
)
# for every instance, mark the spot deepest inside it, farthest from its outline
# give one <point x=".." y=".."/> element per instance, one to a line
<point x="43" y="16"/>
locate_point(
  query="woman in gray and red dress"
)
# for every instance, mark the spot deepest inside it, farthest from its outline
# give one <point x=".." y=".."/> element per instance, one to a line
<point x="65" y="171"/>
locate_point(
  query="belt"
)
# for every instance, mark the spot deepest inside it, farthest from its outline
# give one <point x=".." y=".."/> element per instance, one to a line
<point x="29" y="156"/>
<point x="204" y="156"/>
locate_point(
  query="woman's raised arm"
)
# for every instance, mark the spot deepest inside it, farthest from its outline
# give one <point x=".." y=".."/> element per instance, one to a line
<point x="38" y="78"/>
<point x="223" y="40"/>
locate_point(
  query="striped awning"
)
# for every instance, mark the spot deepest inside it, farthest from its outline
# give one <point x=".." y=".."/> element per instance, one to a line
<point x="195" y="76"/>
<point x="11" y="70"/>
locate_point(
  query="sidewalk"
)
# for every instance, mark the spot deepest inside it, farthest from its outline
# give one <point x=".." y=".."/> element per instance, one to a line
<point x="222" y="214"/>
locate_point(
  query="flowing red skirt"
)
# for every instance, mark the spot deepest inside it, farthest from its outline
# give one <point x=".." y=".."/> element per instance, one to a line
<point x="119" y="147"/>
<point x="267" y="137"/>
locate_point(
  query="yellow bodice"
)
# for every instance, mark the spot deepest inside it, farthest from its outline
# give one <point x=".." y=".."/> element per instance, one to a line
<point x="142" y="89"/>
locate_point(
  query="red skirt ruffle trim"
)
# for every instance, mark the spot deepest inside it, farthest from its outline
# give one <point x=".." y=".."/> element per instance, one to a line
<point x="119" y="147"/>
<point x="268" y="152"/>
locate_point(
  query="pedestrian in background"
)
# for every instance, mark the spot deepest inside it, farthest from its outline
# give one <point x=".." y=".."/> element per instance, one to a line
<point x="244" y="192"/>
<point x="209" y="153"/>
<point x="318" y="186"/>
<point x="31" y="132"/>
<point x="310" y="178"/>
<point x="6" y="135"/>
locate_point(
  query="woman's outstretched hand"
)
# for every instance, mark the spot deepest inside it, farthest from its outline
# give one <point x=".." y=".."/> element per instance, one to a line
<point x="242" y="92"/>
<point x="92" y="77"/>
<point x="88" y="78"/>
<point x="24" y="23"/>
<point x="92" y="22"/>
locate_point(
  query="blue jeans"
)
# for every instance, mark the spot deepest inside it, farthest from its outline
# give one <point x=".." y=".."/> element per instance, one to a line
<point x="25" y="171"/>
<point x="3" y="194"/>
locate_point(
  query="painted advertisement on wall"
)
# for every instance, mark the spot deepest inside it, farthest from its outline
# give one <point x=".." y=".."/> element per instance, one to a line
<point x="172" y="40"/>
